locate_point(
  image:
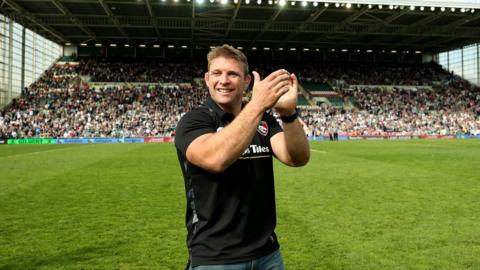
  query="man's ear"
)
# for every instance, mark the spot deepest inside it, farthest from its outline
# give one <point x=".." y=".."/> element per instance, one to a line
<point x="248" y="79"/>
<point x="206" y="77"/>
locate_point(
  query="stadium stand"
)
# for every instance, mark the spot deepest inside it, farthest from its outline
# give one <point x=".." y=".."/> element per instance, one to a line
<point x="114" y="98"/>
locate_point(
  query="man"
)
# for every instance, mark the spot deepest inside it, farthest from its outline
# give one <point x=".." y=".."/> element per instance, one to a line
<point x="225" y="150"/>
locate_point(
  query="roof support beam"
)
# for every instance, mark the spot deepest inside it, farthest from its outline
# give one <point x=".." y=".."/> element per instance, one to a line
<point x="395" y="16"/>
<point x="463" y="21"/>
<point x="266" y="26"/>
<point x="192" y="25"/>
<point x="60" y="38"/>
<point x="79" y="24"/>
<point x="154" y="22"/>
<point x="410" y="27"/>
<point x="355" y="16"/>
<point x="115" y="20"/>
<point x="303" y="26"/>
<point x="232" y="20"/>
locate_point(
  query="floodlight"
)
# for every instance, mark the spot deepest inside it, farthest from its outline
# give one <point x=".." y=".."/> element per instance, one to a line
<point x="304" y="4"/>
<point x="349" y="5"/>
<point x="282" y="3"/>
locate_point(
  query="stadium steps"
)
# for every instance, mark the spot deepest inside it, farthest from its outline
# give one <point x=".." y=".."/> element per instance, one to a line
<point x="336" y="101"/>
<point x="323" y="94"/>
<point x="352" y="102"/>
<point x="302" y="100"/>
<point x="304" y="97"/>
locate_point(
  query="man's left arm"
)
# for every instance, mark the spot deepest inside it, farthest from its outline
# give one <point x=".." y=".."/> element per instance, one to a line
<point x="290" y="146"/>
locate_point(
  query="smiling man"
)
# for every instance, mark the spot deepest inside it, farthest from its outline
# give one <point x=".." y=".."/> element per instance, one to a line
<point x="225" y="150"/>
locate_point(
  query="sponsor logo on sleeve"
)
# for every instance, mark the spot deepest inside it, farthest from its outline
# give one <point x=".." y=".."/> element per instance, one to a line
<point x="262" y="128"/>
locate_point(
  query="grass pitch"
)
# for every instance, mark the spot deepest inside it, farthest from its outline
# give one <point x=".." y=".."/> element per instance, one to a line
<point x="410" y="204"/>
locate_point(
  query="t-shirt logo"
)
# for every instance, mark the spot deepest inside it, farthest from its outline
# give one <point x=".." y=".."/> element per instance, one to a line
<point x="262" y="128"/>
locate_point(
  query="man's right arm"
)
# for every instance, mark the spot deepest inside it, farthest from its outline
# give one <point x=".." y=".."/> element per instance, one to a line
<point x="215" y="152"/>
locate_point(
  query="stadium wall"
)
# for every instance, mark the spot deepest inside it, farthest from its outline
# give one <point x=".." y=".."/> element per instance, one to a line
<point x="183" y="55"/>
<point x="170" y="139"/>
<point x="88" y="140"/>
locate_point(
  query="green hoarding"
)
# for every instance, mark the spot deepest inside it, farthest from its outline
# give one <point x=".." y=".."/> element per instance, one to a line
<point x="32" y="141"/>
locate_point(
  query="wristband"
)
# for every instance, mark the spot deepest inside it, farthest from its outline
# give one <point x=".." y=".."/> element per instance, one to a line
<point x="290" y="118"/>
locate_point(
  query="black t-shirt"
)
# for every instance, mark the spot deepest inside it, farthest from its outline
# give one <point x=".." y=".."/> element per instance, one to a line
<point x="231" y="215"/>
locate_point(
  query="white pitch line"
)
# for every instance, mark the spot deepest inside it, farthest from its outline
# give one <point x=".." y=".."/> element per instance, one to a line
<point x="318" y="151"/>
<point x="33" y="153"/>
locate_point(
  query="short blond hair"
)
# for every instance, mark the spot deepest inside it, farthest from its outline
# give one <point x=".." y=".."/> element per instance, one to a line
<point x="228" y="51"/>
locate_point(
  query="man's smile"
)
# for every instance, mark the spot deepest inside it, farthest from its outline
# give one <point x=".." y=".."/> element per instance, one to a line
<point x="224" y="90"/>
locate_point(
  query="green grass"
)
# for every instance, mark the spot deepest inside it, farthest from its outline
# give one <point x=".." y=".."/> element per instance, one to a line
<point x="411" y="204"/>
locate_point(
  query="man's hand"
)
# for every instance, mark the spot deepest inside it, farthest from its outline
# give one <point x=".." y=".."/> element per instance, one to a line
<point x="287" y="103"/>
<point x="268" y="91"/>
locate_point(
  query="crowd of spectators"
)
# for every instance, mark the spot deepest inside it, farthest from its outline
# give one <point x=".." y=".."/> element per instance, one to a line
<point x="57" y="107"/>
<point x="121" y="70"/>
<point x="445" y="111"/>
<point x="147" y="99"/>
<point x="138" y="111"/>
<point x="353" y="73"/>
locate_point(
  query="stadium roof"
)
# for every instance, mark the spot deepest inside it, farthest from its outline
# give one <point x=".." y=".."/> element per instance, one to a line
<point x="428" y="26"/>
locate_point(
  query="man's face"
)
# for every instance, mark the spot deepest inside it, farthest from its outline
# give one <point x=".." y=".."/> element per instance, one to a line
<point x="226" y="82"/>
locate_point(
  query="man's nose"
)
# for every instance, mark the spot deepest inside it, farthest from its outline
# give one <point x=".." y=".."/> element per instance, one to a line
<point x="224" y="78"/>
